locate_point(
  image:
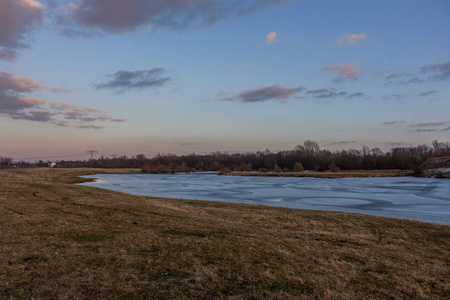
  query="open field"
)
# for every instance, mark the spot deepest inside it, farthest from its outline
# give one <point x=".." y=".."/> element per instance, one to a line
<point x="329" y="174"/>
<point x="62" y="241"/>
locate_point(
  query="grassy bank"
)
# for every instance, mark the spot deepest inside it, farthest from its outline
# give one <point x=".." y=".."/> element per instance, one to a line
<point x="328" y="174"/>
<point x="59" y="240"/>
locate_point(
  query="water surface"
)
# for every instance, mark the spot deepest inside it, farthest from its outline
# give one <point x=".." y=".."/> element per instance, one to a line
<point x="423" y="199"/>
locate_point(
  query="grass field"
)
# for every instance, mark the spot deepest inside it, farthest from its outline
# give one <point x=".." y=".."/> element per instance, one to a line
<point x="63" y="241"/>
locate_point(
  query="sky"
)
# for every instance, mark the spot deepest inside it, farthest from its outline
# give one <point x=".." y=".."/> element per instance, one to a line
<point x="127" y="77"/>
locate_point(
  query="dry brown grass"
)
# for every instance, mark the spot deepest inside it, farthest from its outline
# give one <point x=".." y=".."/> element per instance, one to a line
<point x="62" y="241"/>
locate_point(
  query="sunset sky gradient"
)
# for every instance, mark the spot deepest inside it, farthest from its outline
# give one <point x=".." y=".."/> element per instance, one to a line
<point x="125" y="77"/>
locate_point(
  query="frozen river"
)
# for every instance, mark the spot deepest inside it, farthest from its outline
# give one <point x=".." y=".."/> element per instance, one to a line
<point x="423" y="199"/>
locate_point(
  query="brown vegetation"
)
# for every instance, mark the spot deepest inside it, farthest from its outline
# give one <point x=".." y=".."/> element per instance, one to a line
<point x="62" y="241"/>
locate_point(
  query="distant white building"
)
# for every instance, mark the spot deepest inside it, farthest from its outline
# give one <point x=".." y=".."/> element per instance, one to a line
<point x="52" y="164"/>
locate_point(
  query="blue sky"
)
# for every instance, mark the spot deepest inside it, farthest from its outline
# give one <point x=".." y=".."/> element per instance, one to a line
<point x="145" y="76"/>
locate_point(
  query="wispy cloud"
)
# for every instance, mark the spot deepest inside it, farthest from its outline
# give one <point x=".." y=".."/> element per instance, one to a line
<point x="12" y="101"/>
<point x="399" y="144"/>
<point x="403" y="78"/>
<point x="433" y="124"/>
<point x="394" y="76"/>
<point x="224" y="96"/>
<point x="429" y="127"/>
<point x="17" y="106"/>
<point x="265" y="93"/>
<point x="432" y="72"/>
<point x="411" y="81"/>
<point x="427" y="93"/>
<point x="441" y="71"/>
<point x="394" y="96"/>
<point x="424" y="130"/>
<point x="88" y="127"/>
<point x="128" y="80"/>
<point x="9" y="82"/>
<point x="345" y="71"/>
<point x="351" y="39"/>
<point x="187" y="143"/>
<point x="131" y="15"/>
<point x="339" y="143"/>
<point x="17" y="19"/>
<point x="82" y="114"/>
<point x="77" y="33"/>
<point x="356" y="95"/>
<point x="326" y="93"/>
<point x="7" y="54"/>
<point x="391" y="122"/>
<point x="39" y="116"/>
<point x="271" y="37"/>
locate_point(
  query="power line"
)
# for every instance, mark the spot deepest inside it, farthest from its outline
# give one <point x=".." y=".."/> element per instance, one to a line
<point x="91" y="152"/>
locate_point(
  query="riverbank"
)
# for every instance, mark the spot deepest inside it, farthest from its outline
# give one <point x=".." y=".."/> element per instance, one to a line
<point x="61" y="240"/>
<point x="328" y="174"/>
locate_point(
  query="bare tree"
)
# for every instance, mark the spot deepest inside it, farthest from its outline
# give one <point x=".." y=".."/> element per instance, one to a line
<point x="311" y="147"/>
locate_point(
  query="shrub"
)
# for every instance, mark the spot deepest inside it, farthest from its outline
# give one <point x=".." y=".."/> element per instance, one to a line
<point x="298" y="167"/>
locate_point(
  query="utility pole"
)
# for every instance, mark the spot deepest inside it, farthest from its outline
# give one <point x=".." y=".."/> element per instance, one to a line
<point x="91" y="152"/>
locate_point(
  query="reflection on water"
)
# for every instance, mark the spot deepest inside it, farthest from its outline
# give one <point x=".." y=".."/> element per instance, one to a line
<point x="422" y="199"/>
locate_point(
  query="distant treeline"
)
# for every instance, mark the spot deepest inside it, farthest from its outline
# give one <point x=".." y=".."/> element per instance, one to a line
<point x="308" y="156"/>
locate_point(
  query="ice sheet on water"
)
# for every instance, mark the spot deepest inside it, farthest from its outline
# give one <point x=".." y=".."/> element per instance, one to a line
<point x="424" y="199"/>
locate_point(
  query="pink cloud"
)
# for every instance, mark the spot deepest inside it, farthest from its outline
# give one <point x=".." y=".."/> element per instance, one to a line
<point x="345" y="71"/>
<point x="62" y="106"/>
<point x="17" y="19"/>
<point x="89" y="109"/>
<point x="16" y="106"/>
<point x="223" y="96"/>
<point x="32" y="101"/>
<point x="271" y="37"/>
<point x="22" y="84"/>
<point x="351" y="39"/>
<point x="82" y="114"/>
<point x="73" y="108"/>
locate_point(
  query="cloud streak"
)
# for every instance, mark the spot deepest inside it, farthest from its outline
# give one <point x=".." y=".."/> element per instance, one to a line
<point x="425" y="127"/>
<point x="265" y="93"/>
<point x="16" y="106"/>
<point x="356" y="95"/>
<point x="9" y="82"/>
<point x="427" y="93"/>
<point x="393" y="96"/>
<point x="326" y="93"/>
<point x="433" y="124"/>
<point x="344" y="72"/>
<point x="351" y="39"/>
<point x="7" y="54"/>
<point x="391" y="122"/>
<point x="131" y="15"/>
<point x="432" y="72"/>
<point x="340" y="143"/>
<point x="129" y="80"/>
<point x="441" y="71"/>
<point x="11" y="88"/>
<point x="399" y="144"/>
